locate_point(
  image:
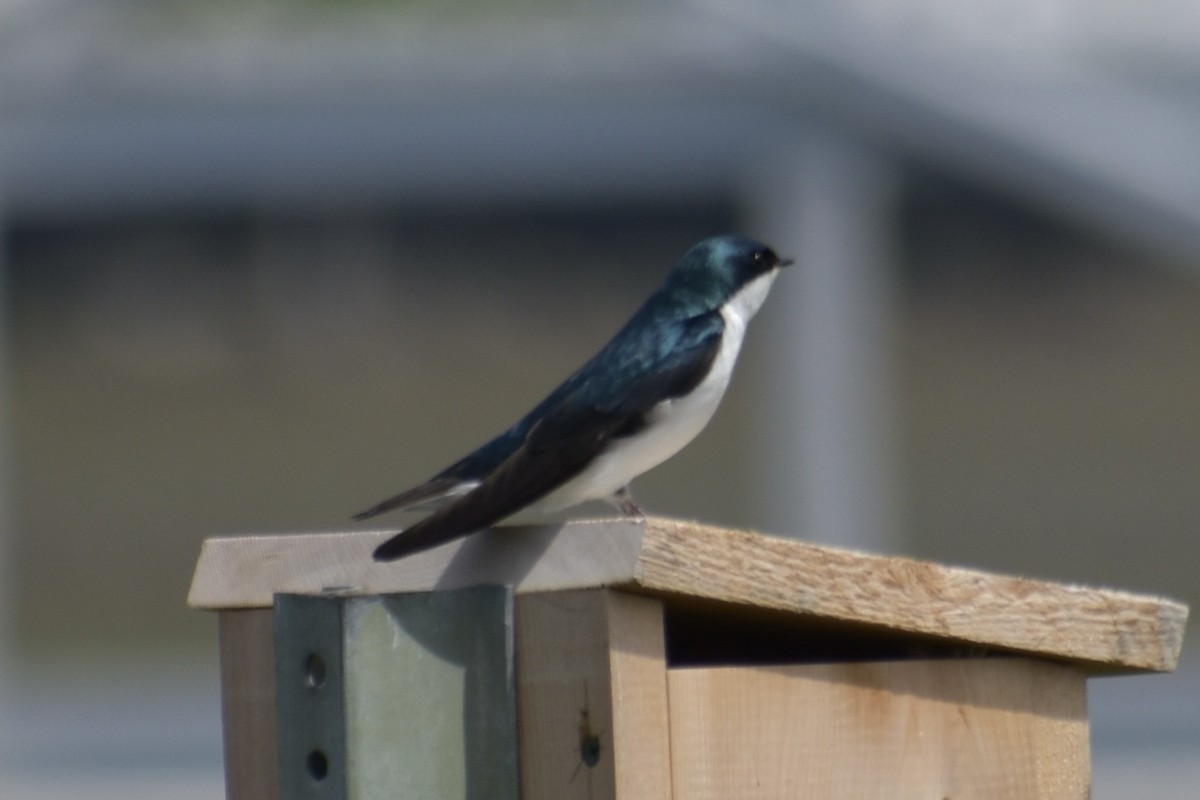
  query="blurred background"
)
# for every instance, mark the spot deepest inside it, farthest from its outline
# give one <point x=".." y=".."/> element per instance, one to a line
<point x="265" y="263"/>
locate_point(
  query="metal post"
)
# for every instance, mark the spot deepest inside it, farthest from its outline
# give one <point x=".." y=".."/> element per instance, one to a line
<point x="407" y="695"/>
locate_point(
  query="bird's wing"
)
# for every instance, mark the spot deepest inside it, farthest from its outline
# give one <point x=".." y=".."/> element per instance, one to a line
<point x="573" y="431"/>
<point x="432" y="491"/>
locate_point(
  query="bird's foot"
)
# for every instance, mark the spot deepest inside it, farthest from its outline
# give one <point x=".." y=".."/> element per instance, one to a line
<point x="625" y="503"/>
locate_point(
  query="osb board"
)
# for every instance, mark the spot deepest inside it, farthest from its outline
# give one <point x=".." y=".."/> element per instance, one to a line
<point x="1100" y="629"/>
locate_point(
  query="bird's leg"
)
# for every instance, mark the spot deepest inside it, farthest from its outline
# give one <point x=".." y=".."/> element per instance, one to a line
<point x="624" y="501"/>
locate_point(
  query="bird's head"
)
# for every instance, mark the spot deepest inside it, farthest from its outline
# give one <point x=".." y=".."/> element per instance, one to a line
<point x="717" y="270"/>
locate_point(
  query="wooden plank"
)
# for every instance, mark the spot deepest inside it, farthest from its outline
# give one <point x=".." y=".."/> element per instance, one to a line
<point x="592" y="693"/>
<point x="993" y="729"/>
<point x="248" y="703"/>
<point x="637" y="674"/>
<point x="247" y="571"/>
<point x="1103" y="630"/>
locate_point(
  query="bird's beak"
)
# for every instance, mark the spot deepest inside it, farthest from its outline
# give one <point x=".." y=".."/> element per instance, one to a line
<point x="786" y="262"/>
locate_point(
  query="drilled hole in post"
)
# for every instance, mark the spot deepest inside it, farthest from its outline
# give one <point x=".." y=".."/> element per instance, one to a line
<point x="314" y="671"/>
<point x="317" y="764"/>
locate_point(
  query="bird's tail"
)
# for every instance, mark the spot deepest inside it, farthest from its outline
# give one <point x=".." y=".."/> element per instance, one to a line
<point x="415" y="539"/>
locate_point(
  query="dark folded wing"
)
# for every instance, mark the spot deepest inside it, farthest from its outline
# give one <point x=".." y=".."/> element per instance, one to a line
<point x="572" y="433"/>
<point x="427" y="492"/>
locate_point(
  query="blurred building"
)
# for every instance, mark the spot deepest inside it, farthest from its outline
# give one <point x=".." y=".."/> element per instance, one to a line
<point x="252" y="250"/>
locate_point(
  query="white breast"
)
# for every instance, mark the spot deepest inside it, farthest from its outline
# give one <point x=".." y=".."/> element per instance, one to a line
<point x="672" y="423"/>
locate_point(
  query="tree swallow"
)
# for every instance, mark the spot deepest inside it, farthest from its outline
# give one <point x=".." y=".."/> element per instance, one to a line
<point x="636" y="403"/>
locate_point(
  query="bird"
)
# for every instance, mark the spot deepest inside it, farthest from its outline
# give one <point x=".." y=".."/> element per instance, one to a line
<point x="644" y="396"/>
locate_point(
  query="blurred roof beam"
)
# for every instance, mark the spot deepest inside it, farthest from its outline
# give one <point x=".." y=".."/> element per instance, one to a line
<point x="667" y="104"/>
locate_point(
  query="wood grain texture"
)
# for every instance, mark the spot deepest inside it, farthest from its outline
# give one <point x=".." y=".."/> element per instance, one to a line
<point x="1105" y="631"/>
<point x="592" y="696"/>
<point x="248" y="704"/>
<point x="994" y="729"/>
